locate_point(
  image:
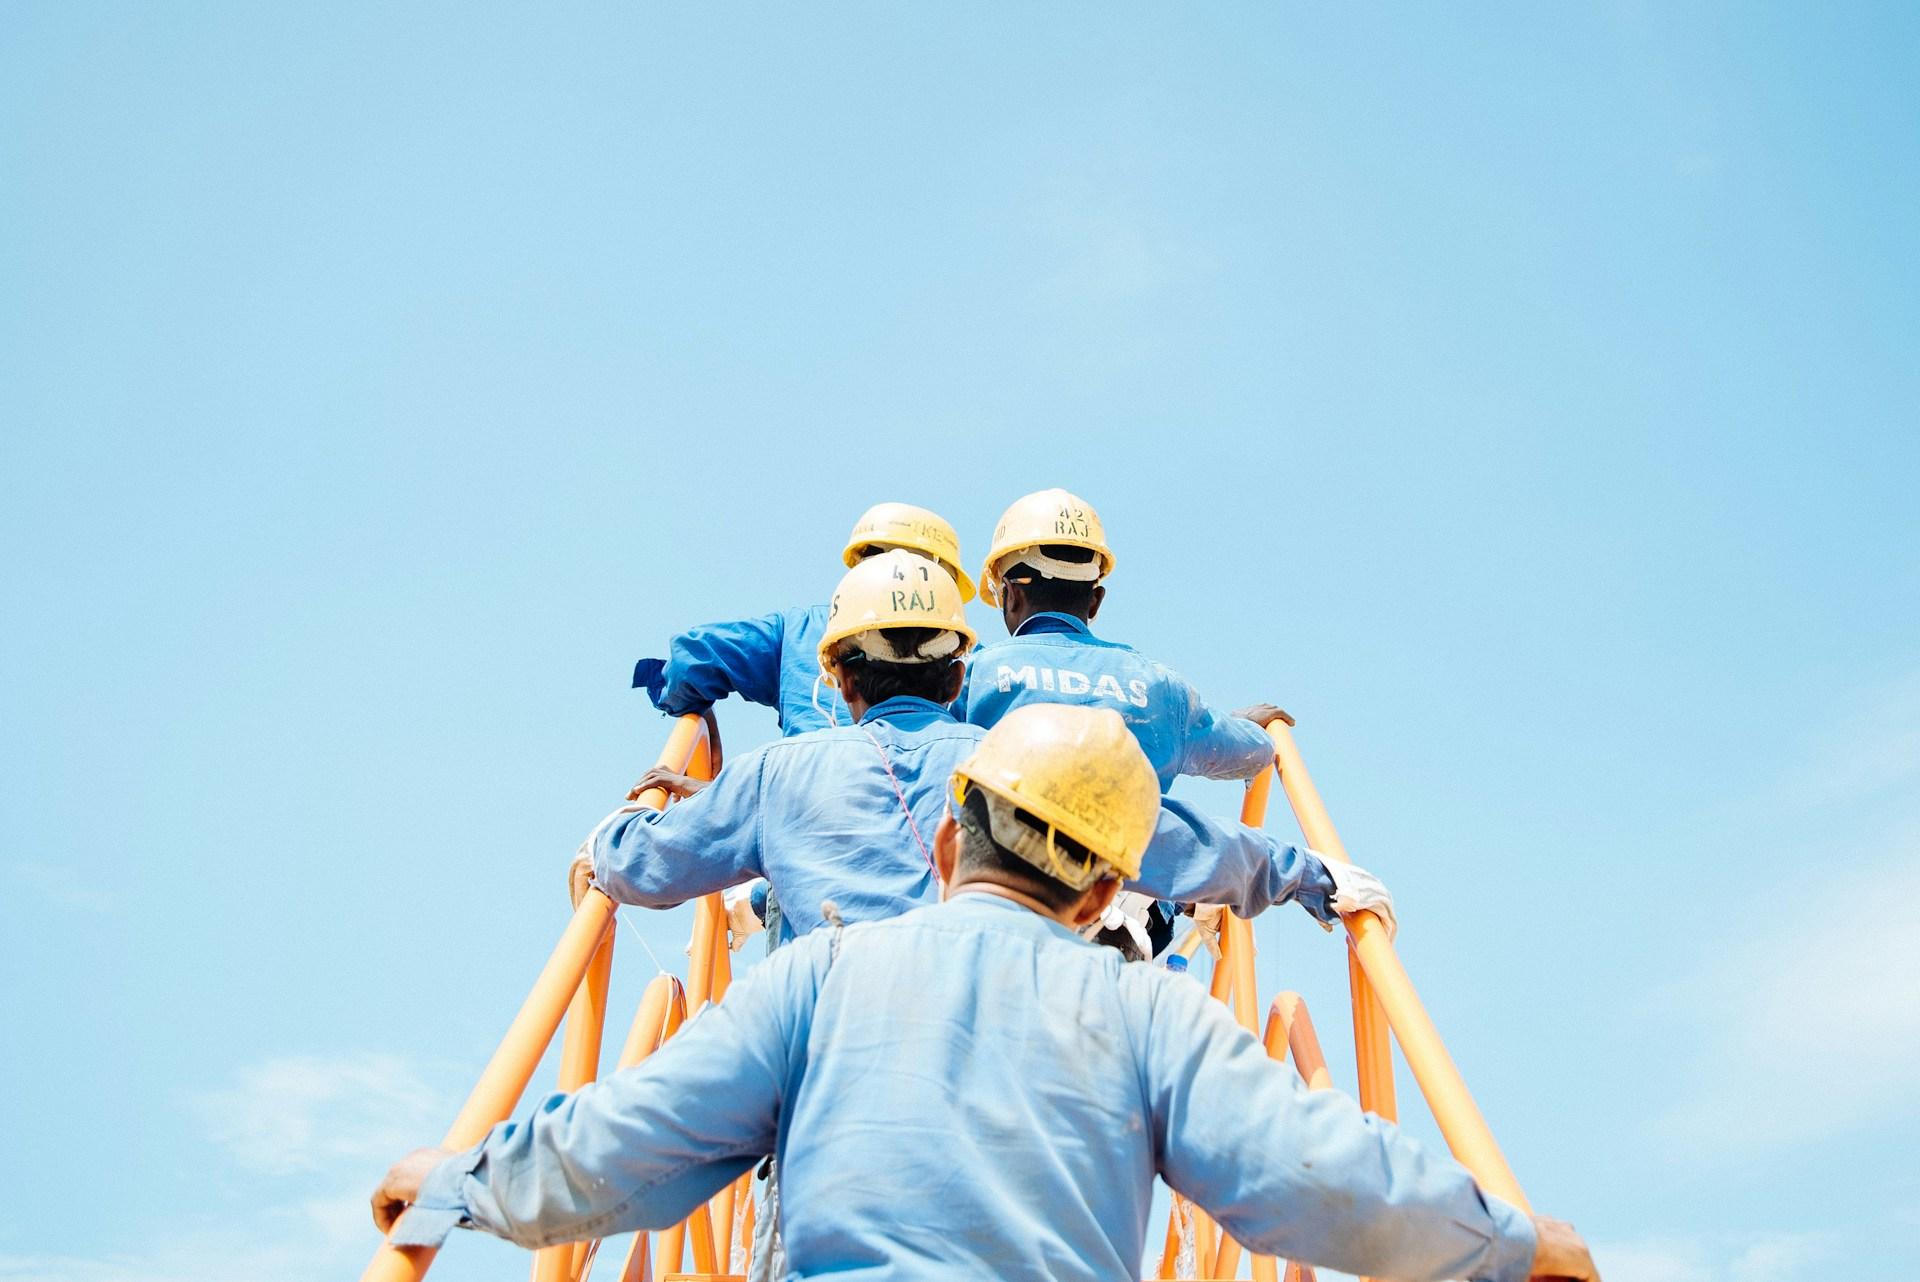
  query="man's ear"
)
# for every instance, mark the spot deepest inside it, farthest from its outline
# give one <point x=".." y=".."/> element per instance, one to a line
<point x="956" y="681"/>
<point x="1013" y="603"/>
<point x="946" y="850"/>
<point x="1093" y="603"/>
<point x="1093" y="904"/>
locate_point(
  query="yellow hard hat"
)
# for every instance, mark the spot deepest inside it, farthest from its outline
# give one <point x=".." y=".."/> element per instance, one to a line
<point x="897" y="589"/>
<point x="1077" y="770"/>
<point x="1049" y="518"/>
<point x="902" y="525"/>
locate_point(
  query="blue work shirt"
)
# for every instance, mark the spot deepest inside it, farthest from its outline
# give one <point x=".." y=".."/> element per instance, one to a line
<point x="1055" y="658"/>
<point x="818" y="816"/>
<point x="772" y="660"/>
<point x="972" y="1091"/>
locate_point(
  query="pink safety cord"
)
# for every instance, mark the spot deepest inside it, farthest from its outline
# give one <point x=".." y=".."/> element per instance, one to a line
<point x="899" y="795"/>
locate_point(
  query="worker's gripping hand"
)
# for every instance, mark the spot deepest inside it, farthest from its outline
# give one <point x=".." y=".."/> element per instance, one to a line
<point x="676" y="784"/>
<point x="1207" y="919"/>
<point x="1357" y="890"/>
<point x="1264" y="714"/>
<point x="580" y="872"/>
<point x="672" y="782"/>
<point x="1560" y="1252"/>
<point x="402" y="1185"/>
<point x="742" y="922"/>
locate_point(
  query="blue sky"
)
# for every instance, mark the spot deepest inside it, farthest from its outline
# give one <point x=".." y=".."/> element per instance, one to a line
<point x="1524" y="396"/>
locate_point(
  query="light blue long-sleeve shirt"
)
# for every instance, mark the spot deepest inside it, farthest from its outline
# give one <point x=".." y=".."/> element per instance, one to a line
<point x="971" y="1091"/>
<point x="772" y="660"/>
<point x="819" y="817"/>
<point x="1055" y="658"/>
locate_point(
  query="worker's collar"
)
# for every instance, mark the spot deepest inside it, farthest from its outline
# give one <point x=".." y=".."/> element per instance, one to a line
<point x="988" y="908"/>
<point x="1052" y="621"/>
<point x="905" y="707"/>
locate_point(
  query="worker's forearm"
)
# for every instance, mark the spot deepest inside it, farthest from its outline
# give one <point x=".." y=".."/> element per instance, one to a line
<point x="1227" y="748"/>
<point x="1305" y="1175"/>
<point x="642" y="1148"/>
<point x="1195" y="859"/>
<point x="659" y="858"/>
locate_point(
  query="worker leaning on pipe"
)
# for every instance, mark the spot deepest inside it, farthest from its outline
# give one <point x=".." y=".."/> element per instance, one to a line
<point x="1046" y="572"/>
<point x="771" y="660"/>
<point x="848" y="813"/>
<point x="971" y="1090"/>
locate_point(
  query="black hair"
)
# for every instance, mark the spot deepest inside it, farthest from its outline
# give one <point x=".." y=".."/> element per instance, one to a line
<point x="981" y="855"/>
<point x="1057" y="596"/>
<point x="876" y="680"/>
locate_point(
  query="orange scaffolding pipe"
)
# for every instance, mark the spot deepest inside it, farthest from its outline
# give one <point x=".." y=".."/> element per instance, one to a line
<point x="1458" y="1117"/>
<point x="506" y="1075"/>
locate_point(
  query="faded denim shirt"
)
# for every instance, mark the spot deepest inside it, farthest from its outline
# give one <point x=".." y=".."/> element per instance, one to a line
<point x="971" y="1091"/>
<point x="1055" y="658"/>
<point x="849" y="814"/>
<point x="772" y="660"/>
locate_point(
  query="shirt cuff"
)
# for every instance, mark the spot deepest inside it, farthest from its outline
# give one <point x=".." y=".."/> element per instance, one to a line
<point x="1510" y="1258"/>
<point x="441" y="1206"/>
<point x="1317" y="887"/>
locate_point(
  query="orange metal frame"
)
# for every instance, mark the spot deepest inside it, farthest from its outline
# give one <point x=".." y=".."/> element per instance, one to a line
<point x="719" y="1234"/>
<point x="574" y="984"/>
<point x="1383" y="1000"/>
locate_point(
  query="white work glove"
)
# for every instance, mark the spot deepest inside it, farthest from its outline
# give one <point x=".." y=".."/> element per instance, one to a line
<point x="1207" y="919"/>
<point x="580" y="871"/>
<point x="742" y="923"/>
<point x="1127" y="914"/>
<point x="1357" y="890"/>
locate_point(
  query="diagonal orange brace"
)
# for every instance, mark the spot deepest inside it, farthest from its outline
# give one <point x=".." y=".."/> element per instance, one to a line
<point x="512" y="1066"/>
<point x="1459" y="1118"/>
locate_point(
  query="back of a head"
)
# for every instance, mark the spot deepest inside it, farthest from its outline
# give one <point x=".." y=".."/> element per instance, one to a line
<point x="1047" y="531"/>
<point x="906" y="672"/>
<point x="895" y="626"/>
<point x="1038" y="572"/>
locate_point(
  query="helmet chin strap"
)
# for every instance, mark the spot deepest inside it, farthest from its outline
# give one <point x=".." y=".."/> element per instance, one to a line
<point x="833" y="718"/>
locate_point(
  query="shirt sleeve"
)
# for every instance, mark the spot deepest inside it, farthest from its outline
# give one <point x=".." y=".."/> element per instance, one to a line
<point x="706" y="664"/>
<point x="643" y="1148"/>
<point x="707" y="842"/>
<point x="1195" y="859"/>
<point x="1220" y="747"/>
<point x="1306" y="1175"/>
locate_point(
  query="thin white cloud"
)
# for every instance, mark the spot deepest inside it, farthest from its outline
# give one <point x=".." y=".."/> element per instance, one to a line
<point x="1819" y="990"/>
<point x="1873" y="751"/>
<point x="1813" y="983"/>
<point x="310" y="1240"/>
<point x="314" y="1113"/>
<point x="1764" y="1257"/>
<point x="312" y="1133"/>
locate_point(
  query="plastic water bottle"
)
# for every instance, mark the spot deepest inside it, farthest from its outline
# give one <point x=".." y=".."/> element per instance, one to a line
<point x="1176" y="962"/>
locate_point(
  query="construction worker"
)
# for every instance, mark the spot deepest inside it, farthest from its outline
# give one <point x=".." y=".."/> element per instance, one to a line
<point x="971" y="1090"/>
<point x="846" y="814"/>
<point x="771" y="660"/>
<point x="1045" y="572"/>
